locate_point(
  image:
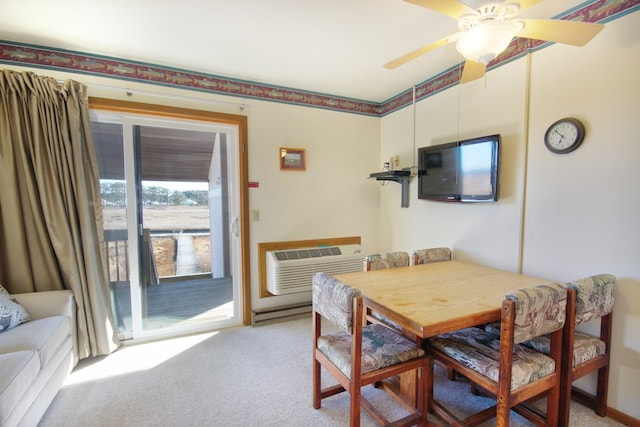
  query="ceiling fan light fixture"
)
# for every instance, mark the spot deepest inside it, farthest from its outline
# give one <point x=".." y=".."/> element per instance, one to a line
<point x="487" y="40"/>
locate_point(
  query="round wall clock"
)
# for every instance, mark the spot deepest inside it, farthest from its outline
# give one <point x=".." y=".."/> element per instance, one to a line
<point x="564" y="136"/>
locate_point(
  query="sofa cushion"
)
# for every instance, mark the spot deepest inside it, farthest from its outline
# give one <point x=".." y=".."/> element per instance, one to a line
<point x="17" y="372"/>
<point x="12" y="314"/>
<point x="44" y="336"/>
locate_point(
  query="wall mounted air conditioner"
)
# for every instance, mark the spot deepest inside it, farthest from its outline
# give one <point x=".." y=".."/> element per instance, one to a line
<point x="290" y="271"/>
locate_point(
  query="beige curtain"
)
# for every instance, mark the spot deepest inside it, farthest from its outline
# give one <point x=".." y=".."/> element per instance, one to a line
<point x="50" y="207"/>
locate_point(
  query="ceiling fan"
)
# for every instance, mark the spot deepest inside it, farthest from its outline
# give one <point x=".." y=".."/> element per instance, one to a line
<point x="487" y="27"/>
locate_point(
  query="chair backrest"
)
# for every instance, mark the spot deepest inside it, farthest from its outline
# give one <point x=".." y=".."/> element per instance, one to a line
<point x="386" y="260"/>
<point x="594" y="296"/>
<point x="427" y="256"/>
<point x="540" y="310"/>
<point x="333" y="300"/>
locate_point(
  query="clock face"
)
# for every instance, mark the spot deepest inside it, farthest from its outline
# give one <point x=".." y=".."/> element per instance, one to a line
<point x="564" y="136"/>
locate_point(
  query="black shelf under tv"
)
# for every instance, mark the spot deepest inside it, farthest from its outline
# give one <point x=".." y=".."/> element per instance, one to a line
<point x="402" y="176"/>
<point x="390" y="175"/>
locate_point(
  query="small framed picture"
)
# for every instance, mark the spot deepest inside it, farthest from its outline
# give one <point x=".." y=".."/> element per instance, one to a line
<point x="292" y="159"/>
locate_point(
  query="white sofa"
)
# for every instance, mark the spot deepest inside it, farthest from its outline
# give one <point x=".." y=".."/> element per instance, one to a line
<point x="36" y="357"/>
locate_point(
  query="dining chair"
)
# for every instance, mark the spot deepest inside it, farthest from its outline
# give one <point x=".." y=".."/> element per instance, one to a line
<point x="427" y="256"/>
<point x="583" y="353"/>
<point x="380" y="262"/>
<point x="358" y="355"/>
<point x="401" y="259"/>
<point x="386" y="260"/>
<point x="588" y="299"/>
<point x="501" y="365"/>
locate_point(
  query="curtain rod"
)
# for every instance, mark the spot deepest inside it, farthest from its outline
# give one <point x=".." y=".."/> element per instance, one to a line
<point x="131" y="92"/>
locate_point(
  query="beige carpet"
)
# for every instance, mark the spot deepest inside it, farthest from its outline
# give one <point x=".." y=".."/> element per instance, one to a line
<point x="236" y="377"/>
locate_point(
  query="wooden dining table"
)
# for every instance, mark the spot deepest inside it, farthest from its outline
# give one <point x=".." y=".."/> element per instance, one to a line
<point x="431" y="299"/>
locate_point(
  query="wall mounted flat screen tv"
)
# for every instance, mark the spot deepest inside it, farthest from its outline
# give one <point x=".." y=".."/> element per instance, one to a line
<point x="463" y="171"/>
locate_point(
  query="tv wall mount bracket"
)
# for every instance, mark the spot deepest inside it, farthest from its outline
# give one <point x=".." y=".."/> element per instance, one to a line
<point x="402" y="176"/>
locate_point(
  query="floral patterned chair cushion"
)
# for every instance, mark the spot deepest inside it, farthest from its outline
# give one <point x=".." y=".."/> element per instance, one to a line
<point x="381" y="347"/>
<point x="386" y="260"/>
<point x="427" y="256"/>
<point x="594" y="299"/>
<point x="595" y="296"/>
<point x="385" y="321"/>
<point x="361" y="355"/>
<point x="333" y="300"/>
<point x="538" y="310"/>
<point x="585" y="347"/>
<point x="480" y="351"/>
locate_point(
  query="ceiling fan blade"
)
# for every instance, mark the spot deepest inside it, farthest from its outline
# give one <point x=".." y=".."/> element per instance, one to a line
<point x="451" y="8"/>
<point x="557" y="31"/>
<point x="472" y="71"/>
<point x="419" y="52"/>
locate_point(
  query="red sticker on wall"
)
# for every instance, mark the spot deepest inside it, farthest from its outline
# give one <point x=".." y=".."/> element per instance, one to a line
<point x="254" y="184"/>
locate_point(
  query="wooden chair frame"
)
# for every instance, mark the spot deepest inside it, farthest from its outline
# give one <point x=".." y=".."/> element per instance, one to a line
<point x="570" y="373"/>
<point x="356" y="380"/>
<point x="501" y="390"/>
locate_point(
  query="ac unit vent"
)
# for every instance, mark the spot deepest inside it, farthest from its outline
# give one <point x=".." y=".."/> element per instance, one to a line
<point x="290" y="271"/>
<point x="307" y="253"/>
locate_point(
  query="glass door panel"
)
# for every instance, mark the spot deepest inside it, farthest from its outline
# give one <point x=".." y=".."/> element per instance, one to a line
<point x="175" y="167"/>
<point x="181" y="253"/>
<point x="108" y="137"/>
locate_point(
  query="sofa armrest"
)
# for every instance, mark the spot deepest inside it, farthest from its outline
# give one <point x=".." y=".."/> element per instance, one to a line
<point x="49" y="303"/>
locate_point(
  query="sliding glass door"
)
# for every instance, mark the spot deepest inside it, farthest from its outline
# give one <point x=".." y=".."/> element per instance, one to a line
<point x="170" y="209"/>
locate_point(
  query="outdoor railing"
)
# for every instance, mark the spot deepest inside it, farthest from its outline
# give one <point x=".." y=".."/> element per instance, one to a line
<point x="117" y="257"/>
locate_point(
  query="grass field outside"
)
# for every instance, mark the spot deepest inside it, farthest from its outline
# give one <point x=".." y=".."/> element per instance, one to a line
<point x="171" y="220"/>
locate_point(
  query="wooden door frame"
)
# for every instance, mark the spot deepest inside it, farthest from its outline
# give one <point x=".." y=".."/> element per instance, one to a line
<point x="240" y="122"/>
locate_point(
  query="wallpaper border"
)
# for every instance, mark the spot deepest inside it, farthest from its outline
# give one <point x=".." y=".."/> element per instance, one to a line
<point x="129" y="70"/>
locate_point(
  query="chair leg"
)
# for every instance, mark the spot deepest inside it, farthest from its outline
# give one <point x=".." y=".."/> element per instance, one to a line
<point x="426" y="384"/>
<point x="601" y="395"/>
<point x="564" y="401"/>
<point x="355" y="401"/>
<point x="428" y="392"/>
<point x="473" y="388"/>
<point x="451" y="374"/>
<point x="553" y="407"/>
<point x="502" y="411"/>
<point x="317" y="386"/>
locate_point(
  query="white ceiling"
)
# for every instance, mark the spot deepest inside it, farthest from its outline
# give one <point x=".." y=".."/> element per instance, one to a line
<point x="334" y="47"/>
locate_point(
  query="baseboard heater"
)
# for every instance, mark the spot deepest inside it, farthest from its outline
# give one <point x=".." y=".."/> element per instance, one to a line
<point x="281" y="314"/>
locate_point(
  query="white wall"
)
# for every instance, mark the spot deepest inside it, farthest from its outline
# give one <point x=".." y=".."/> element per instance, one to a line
<point x="578" y="213"/>
<point x="332" y="198"/>
<point x="583" y="210"/>
<point x="485" y="233"/>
